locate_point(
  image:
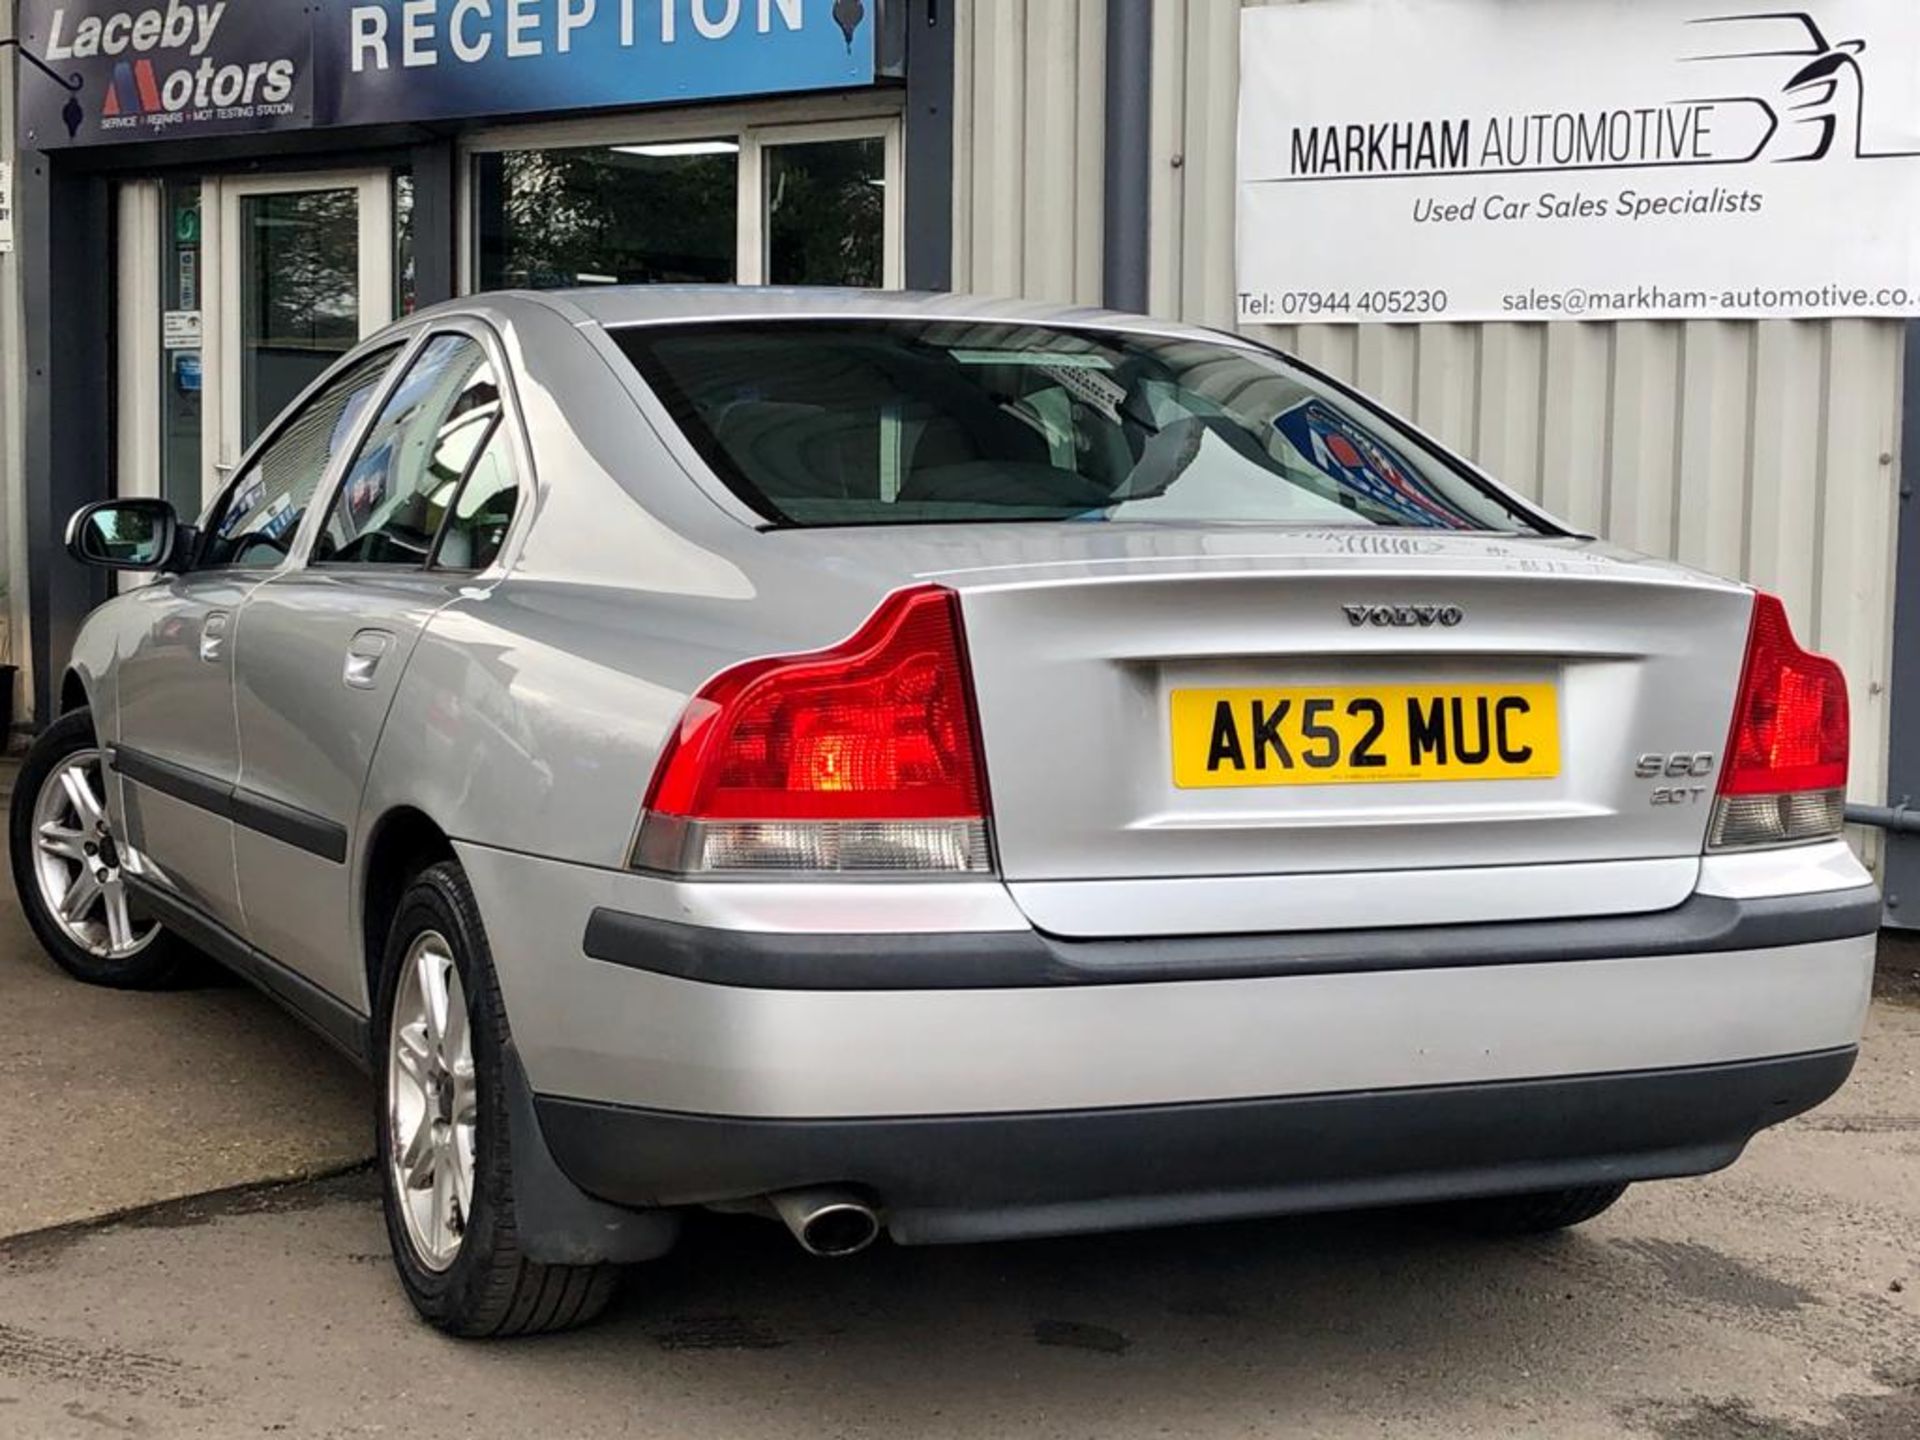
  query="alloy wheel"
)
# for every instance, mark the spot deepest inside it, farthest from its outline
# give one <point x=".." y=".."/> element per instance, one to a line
<point x="431" y="1101"/>
<point x="77" y="861"/>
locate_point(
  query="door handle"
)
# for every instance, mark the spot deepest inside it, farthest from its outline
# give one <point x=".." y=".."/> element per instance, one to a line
<point x="364" y="653"/>
<point x="213" y="634"/>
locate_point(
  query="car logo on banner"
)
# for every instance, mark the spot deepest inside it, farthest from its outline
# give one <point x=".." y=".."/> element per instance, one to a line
<point x="134" y="91"/>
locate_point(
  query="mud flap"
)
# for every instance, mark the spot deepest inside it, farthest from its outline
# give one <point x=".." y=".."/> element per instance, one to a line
<point x="558" y="1223"/>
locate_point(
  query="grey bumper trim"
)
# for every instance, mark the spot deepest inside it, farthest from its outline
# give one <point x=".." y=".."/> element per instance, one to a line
<point x="1016" y="958"/>
<point x="947" y="1178"/>
<point x="288" y="824"/>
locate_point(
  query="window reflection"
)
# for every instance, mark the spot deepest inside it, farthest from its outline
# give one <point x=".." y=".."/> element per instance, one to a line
<point x="629" y="215"/>
<point x="300" y="296"/>
<point x="826" y="212"/>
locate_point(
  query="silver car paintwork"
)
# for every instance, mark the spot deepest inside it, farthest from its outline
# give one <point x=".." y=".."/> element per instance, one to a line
<point x="527" y="719"/>
<point x="162" y="688"/>
<point x="307" y="739"/>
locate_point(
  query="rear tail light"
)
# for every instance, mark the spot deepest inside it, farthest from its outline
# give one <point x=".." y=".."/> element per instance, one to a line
<point x="1785" y="778"/>
<point x="862" y="758"/>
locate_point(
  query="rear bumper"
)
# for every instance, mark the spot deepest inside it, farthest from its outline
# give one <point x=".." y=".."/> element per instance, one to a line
<point x="1112" y="1025"/>
<point x="983" y="1079"/>
<point x="979" y="1177"/>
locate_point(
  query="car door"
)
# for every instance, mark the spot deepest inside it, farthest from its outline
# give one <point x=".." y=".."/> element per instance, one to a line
<point x="422" y="508"/>
<point x="176" y="744"/>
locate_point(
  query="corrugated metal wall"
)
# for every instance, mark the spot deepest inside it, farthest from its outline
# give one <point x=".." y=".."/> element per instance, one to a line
<point x="1030" y="146"/>
<point x="1765" y="450"/>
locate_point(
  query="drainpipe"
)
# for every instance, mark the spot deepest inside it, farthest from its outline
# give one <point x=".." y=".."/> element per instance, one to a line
<point x="1129" y="133"/>
<point x="1895" y="818"/>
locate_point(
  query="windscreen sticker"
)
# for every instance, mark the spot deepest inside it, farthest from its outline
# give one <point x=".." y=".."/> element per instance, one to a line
<point x="1102" y="392"/>
<point x="1360" y="463"/>
<point x="1056" y="359"/>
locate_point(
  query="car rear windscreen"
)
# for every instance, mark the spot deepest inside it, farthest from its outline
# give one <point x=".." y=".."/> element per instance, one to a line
<point x="876" y="422"/>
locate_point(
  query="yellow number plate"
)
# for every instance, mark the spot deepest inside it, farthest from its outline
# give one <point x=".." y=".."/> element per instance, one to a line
<point x="1333" y="735"/>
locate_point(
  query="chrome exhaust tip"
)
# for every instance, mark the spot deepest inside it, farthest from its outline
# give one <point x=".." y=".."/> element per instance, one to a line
<point x="828" y="1223"/>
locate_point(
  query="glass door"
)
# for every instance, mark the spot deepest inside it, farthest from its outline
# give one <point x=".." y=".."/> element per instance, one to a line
<point x="181" y="381"/>
<point x="306" y="270"/>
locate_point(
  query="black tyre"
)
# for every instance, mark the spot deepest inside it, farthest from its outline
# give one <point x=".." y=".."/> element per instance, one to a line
<point x="1538" y="1213"/>
<point x="67" y="868"/>
<point x="440" y="1037"/>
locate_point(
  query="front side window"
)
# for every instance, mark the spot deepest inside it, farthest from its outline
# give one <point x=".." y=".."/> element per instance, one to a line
<point x="255" y="522"/>
<point x="903" y="422"/>
<point x="393" y="499"/>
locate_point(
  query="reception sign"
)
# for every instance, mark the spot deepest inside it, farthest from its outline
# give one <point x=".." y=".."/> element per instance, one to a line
<point x="111" y="71"/>
<point x="1414" y="160"/>
<point x="491" y="57"/>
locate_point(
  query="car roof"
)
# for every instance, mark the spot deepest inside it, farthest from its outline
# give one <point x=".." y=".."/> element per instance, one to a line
<point x="619" y="306"/>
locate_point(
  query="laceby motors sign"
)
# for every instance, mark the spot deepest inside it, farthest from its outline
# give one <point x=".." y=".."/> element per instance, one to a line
<point x="108" y="73"/>
<point x="1578" y="159"/>
<point x="111" y="73"/>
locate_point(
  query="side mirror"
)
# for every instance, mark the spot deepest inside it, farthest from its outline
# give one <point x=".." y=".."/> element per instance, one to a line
<point x="139" y="534"/>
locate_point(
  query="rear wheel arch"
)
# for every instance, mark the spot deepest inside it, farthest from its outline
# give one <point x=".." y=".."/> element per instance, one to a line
<point x="402" y="843"/>
<point x="73" y="693"/>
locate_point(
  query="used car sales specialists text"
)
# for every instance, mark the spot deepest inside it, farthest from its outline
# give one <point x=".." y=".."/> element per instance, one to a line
<point x="1552" y="205"/>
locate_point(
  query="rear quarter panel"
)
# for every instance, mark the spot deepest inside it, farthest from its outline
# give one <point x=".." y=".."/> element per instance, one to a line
<point x="530" y="717"/>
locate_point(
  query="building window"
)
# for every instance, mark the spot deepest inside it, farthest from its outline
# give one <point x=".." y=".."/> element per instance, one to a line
<point x="826" y="212"/>
<point x="609" y="215"/>
<point x="406" y="285"/>
<point x="790" y="204"/>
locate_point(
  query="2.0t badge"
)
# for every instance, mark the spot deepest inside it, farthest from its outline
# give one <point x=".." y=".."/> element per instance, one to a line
<point x="1404" y="615"/>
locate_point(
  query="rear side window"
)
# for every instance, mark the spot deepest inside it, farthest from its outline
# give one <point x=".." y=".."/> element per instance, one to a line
<point x="401" y="487"/>
<point x="476" y="527"/>
<point x="898" y="422"/>
<point x="256" y="520"/>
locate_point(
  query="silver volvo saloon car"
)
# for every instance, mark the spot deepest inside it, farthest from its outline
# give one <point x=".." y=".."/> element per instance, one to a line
<point x="954" y="769"/>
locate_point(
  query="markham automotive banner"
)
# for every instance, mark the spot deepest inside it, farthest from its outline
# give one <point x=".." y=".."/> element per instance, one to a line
<point x="104" y="73"/>
<point x="1416" y="160"/>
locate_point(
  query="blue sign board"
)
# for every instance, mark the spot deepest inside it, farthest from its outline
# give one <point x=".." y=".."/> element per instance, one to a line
<point x="489" y="57"/>
<point x="109" y="71"/>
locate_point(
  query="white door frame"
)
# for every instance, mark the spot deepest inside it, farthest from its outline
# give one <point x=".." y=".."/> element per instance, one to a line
<point x="137" y="394"/>
<point x="221" y="238"/>
<point x="138" y="289"/>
